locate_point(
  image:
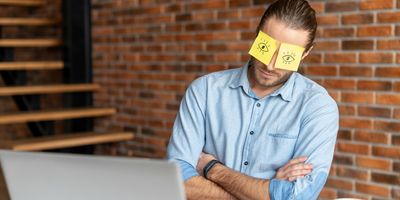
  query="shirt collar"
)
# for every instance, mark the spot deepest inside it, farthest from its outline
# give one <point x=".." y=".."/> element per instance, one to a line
<point x="285" y="92"/>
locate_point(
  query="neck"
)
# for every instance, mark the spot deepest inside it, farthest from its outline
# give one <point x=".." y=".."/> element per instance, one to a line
<point x="260" y="90"/>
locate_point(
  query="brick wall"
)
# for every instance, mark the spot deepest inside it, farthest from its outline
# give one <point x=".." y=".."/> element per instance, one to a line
<point x="146" y="52"/>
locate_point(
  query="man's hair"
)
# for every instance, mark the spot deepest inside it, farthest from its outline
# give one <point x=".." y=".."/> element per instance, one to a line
<point x="296" y="14"/>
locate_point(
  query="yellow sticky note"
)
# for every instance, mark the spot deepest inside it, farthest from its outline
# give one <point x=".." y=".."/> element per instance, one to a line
<point x="289" y="57"/>
<point x="263" y="48"/>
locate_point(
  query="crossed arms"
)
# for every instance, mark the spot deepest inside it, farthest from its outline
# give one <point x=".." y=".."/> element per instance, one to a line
<point x="316" y="140"/>
<point x="224" y="183"/>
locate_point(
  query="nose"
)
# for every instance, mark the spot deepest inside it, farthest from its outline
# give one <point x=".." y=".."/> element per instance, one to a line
<point x="271" y="65"/>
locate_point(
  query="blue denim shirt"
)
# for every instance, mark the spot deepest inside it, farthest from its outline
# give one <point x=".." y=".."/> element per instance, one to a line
<point x="220" y="115"/>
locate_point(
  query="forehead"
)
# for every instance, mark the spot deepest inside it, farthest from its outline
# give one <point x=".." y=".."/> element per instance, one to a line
<point x="281" y="32"/>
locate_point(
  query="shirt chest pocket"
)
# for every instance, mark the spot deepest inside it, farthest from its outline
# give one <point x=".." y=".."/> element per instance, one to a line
<point x="275" y="149"/>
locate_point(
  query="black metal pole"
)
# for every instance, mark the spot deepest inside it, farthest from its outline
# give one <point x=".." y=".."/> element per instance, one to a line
<point x="77" y="60"/>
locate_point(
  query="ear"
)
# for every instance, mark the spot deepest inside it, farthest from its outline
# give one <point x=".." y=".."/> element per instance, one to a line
<point x="307" y="52"/>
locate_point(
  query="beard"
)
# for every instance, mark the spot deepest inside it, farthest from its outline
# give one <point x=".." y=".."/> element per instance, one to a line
<point x="275" y="78"/>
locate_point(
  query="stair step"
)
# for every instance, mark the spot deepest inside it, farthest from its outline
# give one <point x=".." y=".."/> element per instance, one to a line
<point x="47" y="89"/>
<point x="52" y="115"/>
<point x="30" y="42"/>
<point x="32" y="65"/>
<point x="65" y="141"/>
<point x="27" y="22"/>
<point x="22" y="2"/>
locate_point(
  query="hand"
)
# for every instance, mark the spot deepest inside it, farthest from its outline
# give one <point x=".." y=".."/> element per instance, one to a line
<point x="295" y="168"/>
<point x="203" y="160"/>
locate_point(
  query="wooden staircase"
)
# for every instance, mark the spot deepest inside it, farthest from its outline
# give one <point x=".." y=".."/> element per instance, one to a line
<point x="47" y="142"/>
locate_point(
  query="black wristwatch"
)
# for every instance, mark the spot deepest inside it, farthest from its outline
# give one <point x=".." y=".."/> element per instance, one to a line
<point x="208" y="167"/>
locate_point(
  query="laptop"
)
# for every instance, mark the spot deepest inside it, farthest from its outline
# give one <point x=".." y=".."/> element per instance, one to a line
<point x="55" y="176"/>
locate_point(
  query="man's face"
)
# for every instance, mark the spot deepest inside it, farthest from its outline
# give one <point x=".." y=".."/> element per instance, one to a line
<point x="266" y="76"/>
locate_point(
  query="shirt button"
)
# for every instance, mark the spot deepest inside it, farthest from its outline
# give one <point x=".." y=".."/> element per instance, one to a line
<point x="246" y="163"/>
<point x="251" y="132"/>
<point x="258" y="104"/>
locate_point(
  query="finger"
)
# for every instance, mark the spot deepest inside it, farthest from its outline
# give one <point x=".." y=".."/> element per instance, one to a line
<point x="302" y="172"/>
<point x="292" y="173"/>
<point x="295" y="161"/>
<point x="300" y="166"/>
<point x="298" y="160"/>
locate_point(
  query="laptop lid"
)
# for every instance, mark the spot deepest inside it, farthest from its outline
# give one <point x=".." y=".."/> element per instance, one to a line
<point x="54" y="176"/>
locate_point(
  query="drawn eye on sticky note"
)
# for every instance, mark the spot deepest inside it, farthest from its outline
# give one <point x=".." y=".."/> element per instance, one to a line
<point x="289" y="57"/>
<point x="263" y="48"/>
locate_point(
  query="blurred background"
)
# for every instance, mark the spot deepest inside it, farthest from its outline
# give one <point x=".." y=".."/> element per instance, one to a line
<point x="107" y="76"/>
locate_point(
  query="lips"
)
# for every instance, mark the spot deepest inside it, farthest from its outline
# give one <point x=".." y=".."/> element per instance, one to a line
<point x="266" y="74"/>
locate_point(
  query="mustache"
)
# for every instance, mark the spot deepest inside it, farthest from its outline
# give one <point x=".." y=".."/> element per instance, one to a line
<point x="253" y="63"/>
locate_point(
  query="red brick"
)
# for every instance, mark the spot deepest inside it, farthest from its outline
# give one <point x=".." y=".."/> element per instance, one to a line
<point x="392" y="179"/>
<point x="340" y="6"/>
<point x="396" y="166"/>
<point x="396" y="192"/>
<point x="388" y="72"/>
<point x="340" y="57"/>
<point x="359" y="18"/>
<point x="372" y="189"/>
<point x="368" y="31"/>
<point x="388" y="99"/>
<point x="339" y="184"/>
<point x="347" y="110"/>
<point x="343" y="159"/>
<point x="396" y="139"/>
<point x="226" y="36"/>
<point x="352" y="173"/>
<point x="313" y="58"/>
<point x="345" y="194"/>
<point x="376" y="58"/>
<point x="387" y="126"/>
<point x="347" y="122"/>
<point x="357" y="45"/>
<point x="374" y="85"/>
<point x="254" y="12"/>
<point x="327" y="20"/>
<point x="227" y="57"/>
<point x="353" y="148"/>
<point x="326" y="45"/>
<point x="319" y="7"/>
<point x="376" y="4"/>
<point x="340" y="84"/>
<point x="389" y="17"/>
<point x="373" y="163"/>
<point x="357" y="97"/>
<point x="321" y="70"/>
<point x="355" y="71"/>
<point x="338" y="32"/>
<point x="396" y="113"/>
<point x="374" y="112"/>
<point x="389" y="152"/>
<point x="239" y="3"/>
<point x="327" y="193"/>
<point x="239" y="25"/>
<point x="398" y="58"/>
<point x="205" y="5"/>
<point x="373" y="137"/>
<point x="228" y="14"/>
<point x="389" y="44"/>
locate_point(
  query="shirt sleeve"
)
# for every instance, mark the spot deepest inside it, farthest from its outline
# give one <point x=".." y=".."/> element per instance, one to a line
<point x="188" y="136"/>
<point x="316" y="140"/>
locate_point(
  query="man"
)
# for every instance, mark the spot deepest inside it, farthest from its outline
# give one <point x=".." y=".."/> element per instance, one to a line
<point x="258" y="132"/>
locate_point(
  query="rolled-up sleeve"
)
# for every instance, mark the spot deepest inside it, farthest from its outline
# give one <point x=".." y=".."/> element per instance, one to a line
<point x="187" y="140"/>
<point x="316" y="140"/>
